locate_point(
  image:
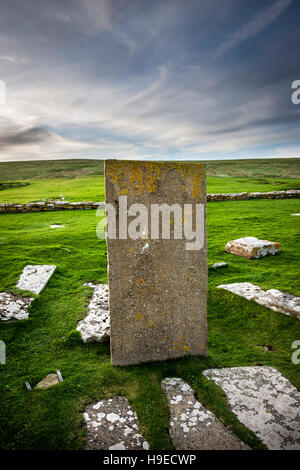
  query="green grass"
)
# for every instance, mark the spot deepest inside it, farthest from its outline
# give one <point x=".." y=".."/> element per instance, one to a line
<point x="237" y="329"/>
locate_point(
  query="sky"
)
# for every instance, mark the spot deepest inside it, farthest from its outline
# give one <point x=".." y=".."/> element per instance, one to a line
<point x="149" y="79"/>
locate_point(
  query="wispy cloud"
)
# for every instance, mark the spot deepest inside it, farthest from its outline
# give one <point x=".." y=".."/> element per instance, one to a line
<point x="254" y="27"/>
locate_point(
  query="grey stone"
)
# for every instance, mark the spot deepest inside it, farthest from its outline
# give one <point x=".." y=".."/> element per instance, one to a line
<point x="252" y="247"/>
<point x="273" y="298"/>
<point x="112" y="425"/>
<point x="14" y="307"/>
<point x="264" y="401"/>
<point x="192" y="426"/>
<point x="96" y="325"/>
<point x="34" y="278"/>
<point x="157" y="288"/>
<point x="48" y="381"/>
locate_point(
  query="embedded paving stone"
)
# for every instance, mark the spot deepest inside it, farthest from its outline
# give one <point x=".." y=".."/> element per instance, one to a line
<point x="14" y="307"/>
<point x="252" y="247"/>
<point x="157" y="284"/>
<point x="112" y="425"/>
<point x="193" y="427"/>
<point x="272" y="298"/>
<point x="34" y="278"/>
<point x="48" y="381"/>
<point x="96" y="325"/>
<point x="264" y="401"/>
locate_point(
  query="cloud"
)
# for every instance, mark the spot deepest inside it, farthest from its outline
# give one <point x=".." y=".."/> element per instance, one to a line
<point x="254" y="27"/>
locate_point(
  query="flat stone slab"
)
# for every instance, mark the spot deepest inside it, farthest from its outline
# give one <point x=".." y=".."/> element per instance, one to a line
<point x="252" y="247"/>
<point x="14" y="307"/>
<point x="96" y="325"/>
<point x="295" y="214"/>
<point x="158" y="285"/>
<point x="34" y="278"/>
<point x="193" y="427"/>
<point x="264" y="401"/>
<point x="112" y="425"/>
<point x="48" y="381"/>
<point x="56" y="226"/>
<point x="272" y="298"/>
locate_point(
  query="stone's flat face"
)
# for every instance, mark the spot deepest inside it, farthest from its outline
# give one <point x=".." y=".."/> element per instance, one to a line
<point x="157" y="288"/>
<point x="252" y="247"/>
<point x="193" y="427"/>
<point x="14" y="307"/>
<point x="48" y="381"/>
<point x="112" y="425"/>
<point x="264" y="401"/>
<point x="34" y="278"/>
<point x="272" y="298"/>
<point x="96" y="325"/>
<point x="56" y="226"/>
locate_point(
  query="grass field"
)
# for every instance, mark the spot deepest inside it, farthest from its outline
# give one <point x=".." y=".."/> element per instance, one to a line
<point x="237" y="328"/>
<point x="79" y="180"/>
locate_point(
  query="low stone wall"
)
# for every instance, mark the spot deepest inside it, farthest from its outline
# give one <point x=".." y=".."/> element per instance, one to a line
<point x="85" y="205"/>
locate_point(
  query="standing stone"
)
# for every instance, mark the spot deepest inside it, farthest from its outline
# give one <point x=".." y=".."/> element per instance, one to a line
<point x="157" y="287"/>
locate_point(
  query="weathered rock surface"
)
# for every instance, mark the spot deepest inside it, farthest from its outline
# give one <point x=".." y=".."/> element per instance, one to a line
<point x="14" y="307"/>
<point x="112" y="425"/>
<point x="34" y="278"/>
<point x="157" y="286"/>
<point x="252" y="247"/>
<point x="273" y="298"/>
<point x="58" y="205"/>
<point x="193" y="427"/>
<point x="48" y="381"/>
<point x="96" y="325"/>
<point x="264" y="401"/>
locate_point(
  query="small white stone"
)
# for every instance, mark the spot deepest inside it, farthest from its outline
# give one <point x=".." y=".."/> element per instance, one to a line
<point x="119" y="446"/>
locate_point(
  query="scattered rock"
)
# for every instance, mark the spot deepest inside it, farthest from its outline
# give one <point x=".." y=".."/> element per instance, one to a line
<point x="273" y="298"/>
<point x="60" y="377"/>
<point x="48" y="381"/>
<point x="56" y="226"/>
<point x="218" y="265"/>
<point x="14" y="307"/>
<point x="252" y="247"/>
<point x="193" y="427"/>
<point x="112" y="425"/>
<point x="96" y="325"/>
<point x="295" y="214"/>
<point x="34" y="278"/>
<point x="264" y="401"/>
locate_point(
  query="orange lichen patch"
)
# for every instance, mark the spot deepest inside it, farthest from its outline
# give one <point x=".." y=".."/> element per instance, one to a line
<point x="164" y="339"/>
<point x="139" y="316"/>
<point x="185" y="347"/>
<point x="202" y="346"/>
<point x="151" y="324"/>
<point x="277" y="245"/>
